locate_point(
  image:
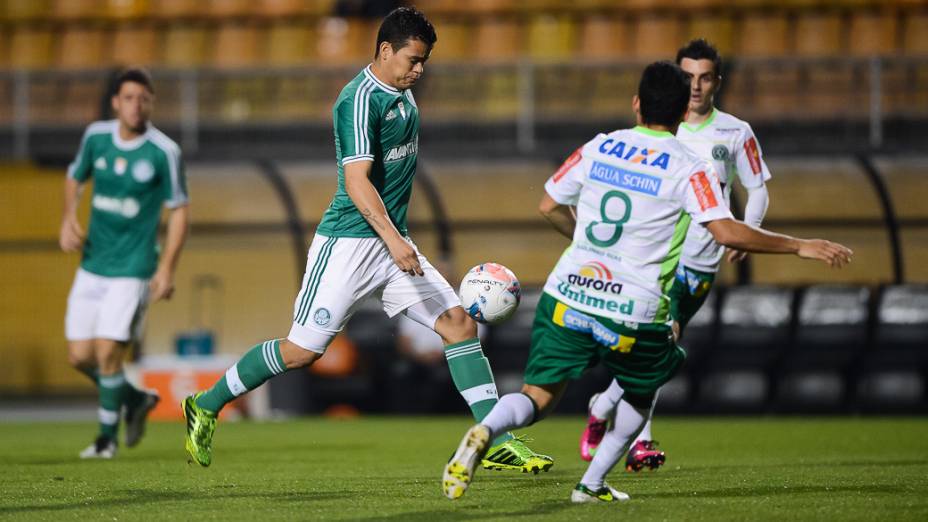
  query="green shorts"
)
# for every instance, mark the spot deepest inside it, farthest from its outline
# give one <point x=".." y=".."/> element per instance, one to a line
<point x="566" y="342"/>
<point x="688" y="293"/>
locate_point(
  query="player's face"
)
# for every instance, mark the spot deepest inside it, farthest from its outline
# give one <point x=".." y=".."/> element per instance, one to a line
<point x="704" y="82"/>
<point x="132" y="105"/>
<point x="404" y="67"/>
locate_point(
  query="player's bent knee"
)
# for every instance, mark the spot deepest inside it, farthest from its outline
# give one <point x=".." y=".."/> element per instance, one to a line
<point x="296" y="356"/>
<point x="456" y="326"/>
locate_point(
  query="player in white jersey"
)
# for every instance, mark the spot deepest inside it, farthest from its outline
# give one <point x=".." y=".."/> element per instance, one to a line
<point x="636" y="192"/>
<point x="730" y="146"/>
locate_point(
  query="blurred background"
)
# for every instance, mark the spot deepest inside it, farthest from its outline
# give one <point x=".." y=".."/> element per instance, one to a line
<point x="836" y="91"/>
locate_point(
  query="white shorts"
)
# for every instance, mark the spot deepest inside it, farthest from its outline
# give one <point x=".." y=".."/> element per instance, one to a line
<point x="342" y="271"/>
<point x="105" y="307"/>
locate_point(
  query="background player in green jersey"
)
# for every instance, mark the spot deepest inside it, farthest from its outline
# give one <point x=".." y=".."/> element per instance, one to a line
<point x="730" y="146"/>
<point x="631" y="219"/>
<point x="361" y="248"/>
<point x="136" y="170"/>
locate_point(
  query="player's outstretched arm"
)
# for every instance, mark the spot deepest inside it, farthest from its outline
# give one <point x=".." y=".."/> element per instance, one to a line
<point x="162" y="283"/>
<point x="754" y="211"/>
<point x="71" y="235"/>
<point x="370" y="205"/>
<point x="560" y="216"/>
<point x="741" y="236"/>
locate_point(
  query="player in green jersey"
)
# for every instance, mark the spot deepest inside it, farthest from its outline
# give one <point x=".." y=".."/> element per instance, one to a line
<point x="135" y="170"/>
<point x="361" y="249"/>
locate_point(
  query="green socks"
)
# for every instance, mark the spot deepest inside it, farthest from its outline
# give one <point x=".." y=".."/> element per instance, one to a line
<point x="258" y="365"/>
<point x="473" y="378"/>
<point x="112" y="392"/>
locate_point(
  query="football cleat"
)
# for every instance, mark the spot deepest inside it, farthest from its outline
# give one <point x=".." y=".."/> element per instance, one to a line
<point x="593" y="433"/>
<point x="201" y="424"/>
<point x="102" y="448"/>
<point x="459" y="472"/>
<point x="582" y="494"/>
<point x="644" y="454"/>
<point x="516" y="456"/>
<point x="137" y="416"/>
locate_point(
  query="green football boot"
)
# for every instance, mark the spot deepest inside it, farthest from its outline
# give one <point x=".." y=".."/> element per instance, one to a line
<point x="201" y="425"/>
<point x="515" y="455"/>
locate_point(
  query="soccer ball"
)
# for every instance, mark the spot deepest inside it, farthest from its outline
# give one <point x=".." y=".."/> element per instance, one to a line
<point x="490" y="293"/>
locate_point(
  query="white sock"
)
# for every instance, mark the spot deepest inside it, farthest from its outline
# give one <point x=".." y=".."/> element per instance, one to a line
<point x="514" y="410"/>
<point x="628" y="422"/>
<point x="645" y="432"/>
<point x="605" y="404"/>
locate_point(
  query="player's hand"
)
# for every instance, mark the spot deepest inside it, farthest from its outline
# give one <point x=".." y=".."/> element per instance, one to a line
<point x="834" y="254"/>
<point x="735" y="256"/>
<point x="71" y="236"/>
<point x="161" y="286"/>
<point x="405" y="257"/>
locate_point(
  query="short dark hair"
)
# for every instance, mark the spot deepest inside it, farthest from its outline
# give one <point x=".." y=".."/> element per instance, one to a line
<point x="701" y="49"/>
<point x="134" y="75"/>
<point x="663" y="94"/>
<point x="402" y="24"/>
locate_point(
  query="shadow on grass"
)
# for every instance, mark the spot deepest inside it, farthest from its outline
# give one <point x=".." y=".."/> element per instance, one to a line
<point x="768" y="491"/>
<point x="883" y="463"/>
<point x="457" y="511"/>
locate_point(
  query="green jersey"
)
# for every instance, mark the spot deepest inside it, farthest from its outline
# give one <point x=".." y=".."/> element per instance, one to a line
<point x="377" y="123"/>
<point x="131" y="180"/>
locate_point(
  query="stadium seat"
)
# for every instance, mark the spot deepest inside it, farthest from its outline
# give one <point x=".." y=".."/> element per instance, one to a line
<point x="832" y="332"/>
<point x="237" y="45"/>
<point x="345" y="41"/>
<point x="82" y="48"/>
<point x="653" y="36"/>
<point x="174" y="9"/>
<point x="818" y="35"/>
<point x="603" y="38"/>
<point x="127" y="9"/>
<point x="135" y="45"/>
<point x="284" y="8"/>
<point x="77" y="9"/>
<point x="289" y="44"/>
<point x="872" y="34"/>
<point x="830" y="89"/>
<point x="893" y="372"/>
<point x="455" y="41"/>
<point x="551" y="38"/>
<point x="763" y="34"/>
<point x="718" y="28"/>
<point x="915" y="34"/>
<point x="26" y="10"/>
<point x="31" y="48"/>
<point x="185" y="45"/>
<point x="230" y="8"/>
<point x="498" y="40"/>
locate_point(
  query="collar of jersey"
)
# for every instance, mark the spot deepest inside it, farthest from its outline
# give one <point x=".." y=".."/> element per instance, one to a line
<point x="652" y="132"/>
<point x="702" y="125"/>
<point x="370" y="75"/>
<point x="132" y="144"/>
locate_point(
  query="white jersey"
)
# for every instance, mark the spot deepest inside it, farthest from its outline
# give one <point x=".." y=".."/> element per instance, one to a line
<point x="636" y="191"/>
<point x="729" y="144"/>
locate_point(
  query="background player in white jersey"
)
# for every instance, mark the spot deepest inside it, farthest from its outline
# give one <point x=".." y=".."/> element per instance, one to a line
<point x="136" y="170"/>
<point x="636" y="192"/>
<point x="730" y="146"/>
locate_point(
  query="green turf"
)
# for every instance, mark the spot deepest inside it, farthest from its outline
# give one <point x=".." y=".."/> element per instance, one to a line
<point x="389" y="469"/>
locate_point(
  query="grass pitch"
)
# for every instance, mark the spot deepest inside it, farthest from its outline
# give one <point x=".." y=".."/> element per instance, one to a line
<point x="390" y="468"/>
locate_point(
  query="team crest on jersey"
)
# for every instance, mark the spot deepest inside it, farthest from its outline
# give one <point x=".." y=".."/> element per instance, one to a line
<point x="143" y="171"/>
<point x="402" y="109"/>
<point x="720" y="153"/>
<point x="634" y="154"/>
<point x="100" y="164"/>
<point x="322" y="316"/>
<point x="119" y="166"/>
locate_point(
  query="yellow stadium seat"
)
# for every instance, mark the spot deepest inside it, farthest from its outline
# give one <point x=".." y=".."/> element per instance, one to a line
<point x="763" y="34"/>
<point x="818" y="34"/>
<point x="604" y="38"/>
<point x="31" y="48"/>
<point x="551" y="38"/>
<point x="290" y="44"/>
<point x="185" y="45"/>
<point x="872" y="34"/>
<point x="81" y="47"/>
<point x="227" y="8"/>
<point x="718" y="29"/>
<point x="915" y="37"/>
<point x="284" y="7"/>
<point x="342" y="40"/>
<point x="498" y="40"/>
<point x="454" y="41"/>
<point x="133" y="44"/>
<point x="657" y="36"/>
<point x="23" y="10"/>
<point x="127" y="9"/>
<point x="236" y="45"/>
<point x="77" y="9"/>
<point x="178" y="8"/>
<point x="489" y="6"/>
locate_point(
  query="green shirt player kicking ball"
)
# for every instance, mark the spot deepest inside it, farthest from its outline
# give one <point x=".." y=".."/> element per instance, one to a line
<point x="636" y="192"/>
<point x="136" y="170"/>
<point x="361" y="249"/>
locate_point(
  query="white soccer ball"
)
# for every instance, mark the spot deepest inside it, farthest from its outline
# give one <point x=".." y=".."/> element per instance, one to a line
<point x="490" y="293"/>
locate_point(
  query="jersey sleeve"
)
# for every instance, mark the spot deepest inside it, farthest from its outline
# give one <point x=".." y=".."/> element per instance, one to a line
<point x="702" y="196"/>
<point x="749" y="161"/>
<point x="82" y="166"/>
<point x="564" y="186"/>
<point x="355" y="127"/>
<point x="175" y="179"/>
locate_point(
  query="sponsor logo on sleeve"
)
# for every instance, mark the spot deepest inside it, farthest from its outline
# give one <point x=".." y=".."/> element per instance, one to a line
<point x="626" y="179"/>
<point x="322" y="317"/>
<point x="568" y="164"/>
<point x="703" y="191"/>
<point x="750" y="148"/>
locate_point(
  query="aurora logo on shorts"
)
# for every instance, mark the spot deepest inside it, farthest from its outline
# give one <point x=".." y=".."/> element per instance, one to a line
<point x="322" y="317"/>
<point x="402" y="151"/>
<point x="595" y="275"/>
<point x="580" y="296"/>
<point x="580" y="322"/>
